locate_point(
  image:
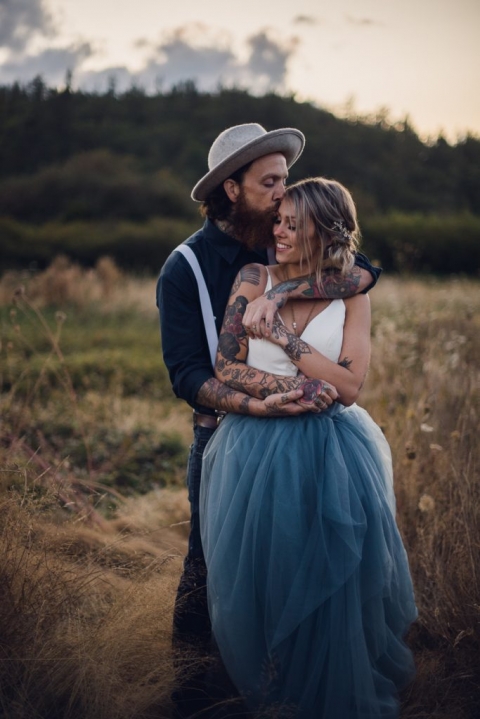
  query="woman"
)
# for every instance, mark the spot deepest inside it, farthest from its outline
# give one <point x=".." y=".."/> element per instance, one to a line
<point x="308" y="582"/>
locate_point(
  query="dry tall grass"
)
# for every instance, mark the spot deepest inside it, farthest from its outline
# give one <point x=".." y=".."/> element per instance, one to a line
<point x="66" y="283"/>
<point x="87" y="595"/>
<point x="85" y="619"/>
<point x="424" y="390"/>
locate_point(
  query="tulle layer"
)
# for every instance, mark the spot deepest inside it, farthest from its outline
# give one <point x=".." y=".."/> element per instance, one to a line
<point x="308" y="581"/>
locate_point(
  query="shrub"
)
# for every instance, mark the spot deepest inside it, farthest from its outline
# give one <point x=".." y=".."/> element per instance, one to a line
<point x="416" y="243"/>
<point x="134" y="246"/>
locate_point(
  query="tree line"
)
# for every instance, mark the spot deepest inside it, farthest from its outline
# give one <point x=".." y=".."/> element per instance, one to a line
<point x="87" y="173"/>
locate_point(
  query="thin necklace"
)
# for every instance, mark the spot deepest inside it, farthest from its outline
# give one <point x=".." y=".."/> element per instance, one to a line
<point x="294" y="322"/>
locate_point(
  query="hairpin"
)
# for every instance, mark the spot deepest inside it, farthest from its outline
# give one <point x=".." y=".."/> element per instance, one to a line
<point x="340" y="227"/>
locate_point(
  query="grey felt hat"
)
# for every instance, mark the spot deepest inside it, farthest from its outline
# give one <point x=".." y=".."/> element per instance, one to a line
<point x="237" y="146"/>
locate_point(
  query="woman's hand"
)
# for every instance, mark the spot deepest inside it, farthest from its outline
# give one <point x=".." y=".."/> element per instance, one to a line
<point x="279" y="333"/>
<point x="317" y="394"/>
<point x="260" y="315"/>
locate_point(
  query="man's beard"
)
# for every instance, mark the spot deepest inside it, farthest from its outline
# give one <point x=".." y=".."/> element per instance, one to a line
<point x="253" y="228"/>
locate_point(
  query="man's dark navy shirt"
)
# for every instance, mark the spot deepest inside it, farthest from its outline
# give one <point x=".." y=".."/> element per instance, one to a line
<point x="184" y="342"/>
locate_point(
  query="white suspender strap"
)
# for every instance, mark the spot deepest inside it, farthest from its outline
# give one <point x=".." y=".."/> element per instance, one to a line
<point x="205" y="302"/>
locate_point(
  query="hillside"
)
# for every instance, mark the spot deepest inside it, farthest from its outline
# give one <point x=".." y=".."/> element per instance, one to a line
<point x="90" y="174"/>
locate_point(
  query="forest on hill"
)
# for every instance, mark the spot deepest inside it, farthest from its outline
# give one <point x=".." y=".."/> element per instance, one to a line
<point x="92" y="174"/>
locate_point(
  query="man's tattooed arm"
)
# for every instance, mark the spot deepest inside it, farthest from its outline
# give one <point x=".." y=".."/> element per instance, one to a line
<point x="218" y="396"/>
<point x="334" y="286"/>
<point x="260" y="312"/>
<point x="284" y="291"/>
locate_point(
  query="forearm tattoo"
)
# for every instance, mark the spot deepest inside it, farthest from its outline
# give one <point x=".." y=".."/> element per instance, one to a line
<point x="294" y="347"/>
<point x="334" y="286"/>
<point x="213" y="393"/>
<point x="280" y="292"/>
<point x="217" y="395"/>
<point x="345" y="362"/>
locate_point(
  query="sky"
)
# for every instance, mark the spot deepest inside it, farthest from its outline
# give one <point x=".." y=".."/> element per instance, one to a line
<point x="418" y="58"/>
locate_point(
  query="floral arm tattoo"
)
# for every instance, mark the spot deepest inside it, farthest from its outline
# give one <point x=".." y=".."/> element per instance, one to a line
<point x="217" y="395"/>
<point x="233" y="341"/>
<point x="334" y="286"/>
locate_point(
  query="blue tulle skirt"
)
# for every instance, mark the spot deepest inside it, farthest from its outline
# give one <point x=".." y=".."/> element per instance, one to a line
<point x="308" y="582"/>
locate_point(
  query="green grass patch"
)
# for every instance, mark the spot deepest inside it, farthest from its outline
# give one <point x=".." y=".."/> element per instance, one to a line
<point x="119" y="353"/>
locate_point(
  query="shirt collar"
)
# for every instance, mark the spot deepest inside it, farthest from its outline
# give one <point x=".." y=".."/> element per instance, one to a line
<point x="226" y="245"/>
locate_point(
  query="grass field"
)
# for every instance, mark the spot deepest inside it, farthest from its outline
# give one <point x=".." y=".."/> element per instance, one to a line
<point x="93" y="512"/>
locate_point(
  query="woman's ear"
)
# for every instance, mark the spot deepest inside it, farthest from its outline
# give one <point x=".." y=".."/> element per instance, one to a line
<point x="232" y="189"/>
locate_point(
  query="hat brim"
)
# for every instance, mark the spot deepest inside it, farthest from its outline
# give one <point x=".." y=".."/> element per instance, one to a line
<point x="288" y="141"/>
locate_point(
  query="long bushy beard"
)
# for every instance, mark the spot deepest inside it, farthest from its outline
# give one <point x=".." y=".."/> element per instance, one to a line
<point x="253" y="228"/>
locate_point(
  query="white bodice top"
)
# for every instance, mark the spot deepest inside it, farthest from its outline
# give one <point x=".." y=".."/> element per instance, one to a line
<point x="324" y="332"/>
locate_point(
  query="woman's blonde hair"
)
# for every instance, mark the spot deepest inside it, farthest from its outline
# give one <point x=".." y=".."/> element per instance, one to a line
<point x="330" y="206"/>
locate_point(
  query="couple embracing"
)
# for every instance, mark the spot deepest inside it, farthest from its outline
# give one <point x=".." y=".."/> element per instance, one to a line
<point x="295" y="564"/>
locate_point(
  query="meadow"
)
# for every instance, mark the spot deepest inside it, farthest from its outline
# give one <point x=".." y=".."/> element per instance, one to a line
<point x="94" y="513"/>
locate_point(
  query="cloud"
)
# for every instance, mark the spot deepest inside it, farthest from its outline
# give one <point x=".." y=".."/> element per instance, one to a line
<point x="267" y="64"/>
<point x="51" y="64"/>
<point x="305" y="20"/>
<point x="362" y="21"/>
<point x="141" y="43"/>
<point x="191" y="52"/>
<point x="20" y="20"/>
<point x="180" y="57"/>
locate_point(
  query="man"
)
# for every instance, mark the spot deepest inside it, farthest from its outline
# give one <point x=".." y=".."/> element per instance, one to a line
<point x="241" y="192"/>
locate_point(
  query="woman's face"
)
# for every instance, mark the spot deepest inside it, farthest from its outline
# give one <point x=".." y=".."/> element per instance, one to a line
<point x="287" y="246"/>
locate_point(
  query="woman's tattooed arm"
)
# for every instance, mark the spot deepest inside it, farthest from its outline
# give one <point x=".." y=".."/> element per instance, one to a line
<point x="232" y="350"/>
<point x="292" y="345"/>
<point x="268" y="394"/>
<point x="250" y="274"/>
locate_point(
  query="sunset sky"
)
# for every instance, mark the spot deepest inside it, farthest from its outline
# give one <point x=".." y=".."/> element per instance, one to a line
<point x="419" y="58"/>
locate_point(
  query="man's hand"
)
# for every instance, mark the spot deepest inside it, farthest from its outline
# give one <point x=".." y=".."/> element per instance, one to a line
<point x="258" y="317"/>
<point x="314" y="395"/>
<point x="286" y="404"/>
